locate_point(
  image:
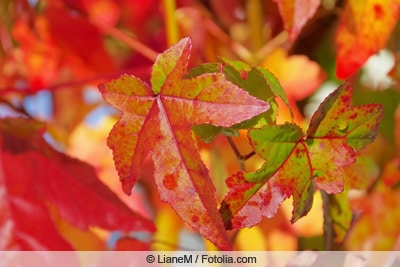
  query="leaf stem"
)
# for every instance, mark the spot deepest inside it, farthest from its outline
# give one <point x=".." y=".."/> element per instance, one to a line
<point x="241" y="158"/>
<point x="249" y="155"/>
<point x="170" y="22"/>
<point x="237" y="153"/>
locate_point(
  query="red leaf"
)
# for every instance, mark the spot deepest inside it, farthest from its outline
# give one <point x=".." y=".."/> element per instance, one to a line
<point x="364" y="29"/>
<point x="34" y="178"/>
<point x="106" y="11"/>
<point x="78" y="39"/>
<point x="158" y="121"/>
<point x="296" y="162"/>
<point x="296" y="13"/>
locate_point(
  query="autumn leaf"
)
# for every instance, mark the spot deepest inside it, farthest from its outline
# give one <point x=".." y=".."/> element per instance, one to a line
<point x="296" y="13"/>
<point x="298" y="162"/>
<point x="37" y="52"/>
<point x="67" y="31"/>
<point x="157" y="121"/>
<point x="364" y="29"/>
<point x="257" y="81"/>
<point x="377" y="225"/>
<point x="36" y="180"/>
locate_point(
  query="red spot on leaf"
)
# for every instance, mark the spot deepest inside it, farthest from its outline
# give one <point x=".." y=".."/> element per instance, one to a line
<point x="170" y="182"/>
<point x="378" y="11"/>
<point x="244" y="74"/>
<point x="353" y="116"/>
<point x="195" y="219"/>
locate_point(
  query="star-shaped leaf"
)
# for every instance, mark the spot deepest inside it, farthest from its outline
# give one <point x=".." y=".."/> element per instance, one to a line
<point x="298" y="162"/>
<point x="157" y="121"/>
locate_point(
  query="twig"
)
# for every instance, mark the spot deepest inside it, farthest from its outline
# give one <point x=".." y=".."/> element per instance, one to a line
<point x="241" y="158"/>
<point x="237" y="153"/>
<point x="16" y="109"/>
<point x="131" y="42"/>
<point x="249" y="155"/>
<point x="26" y="91"/>
<point x="271" y="45"/>
<point x="240" y="50"/>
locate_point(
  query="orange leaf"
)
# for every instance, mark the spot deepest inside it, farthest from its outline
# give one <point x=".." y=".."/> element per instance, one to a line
<point x="364" y="29"/>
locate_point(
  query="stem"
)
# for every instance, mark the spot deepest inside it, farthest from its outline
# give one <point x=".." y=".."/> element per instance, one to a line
<point x="20" y="110"/>
<point x="139" y="71"/>
<point x="246" y="157"/>
<point x="241" y="158"/>
<point x="237" y="153"/>
<point x="132" y="43"/>
<point x="271" y="45"/>
<point x="254" y="17"/>
<point x="240" y="50"/>
<point x="328" y="222"/>
<point x="170" y="22"/>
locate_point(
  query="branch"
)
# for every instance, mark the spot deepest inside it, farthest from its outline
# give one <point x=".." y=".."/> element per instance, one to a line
<point x="142" y="71"/>
<point x="131" y="42"/>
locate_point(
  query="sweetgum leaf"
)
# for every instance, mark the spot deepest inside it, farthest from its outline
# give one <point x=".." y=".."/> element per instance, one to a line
<point x="157" y="121"/>
<point x="364" y="29"/>
<point x="256" y="80"/>
<point x="335" y="118"/>
<point x="296" y="162"/>
<point x="35" y="178"/>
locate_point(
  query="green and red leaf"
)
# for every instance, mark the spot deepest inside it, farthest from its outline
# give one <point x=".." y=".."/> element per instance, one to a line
<point x="295" y="162"/>
<point x="156" y="121"/>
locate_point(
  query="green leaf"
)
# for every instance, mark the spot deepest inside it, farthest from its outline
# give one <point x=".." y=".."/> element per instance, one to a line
<point x="275" y="144"/>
